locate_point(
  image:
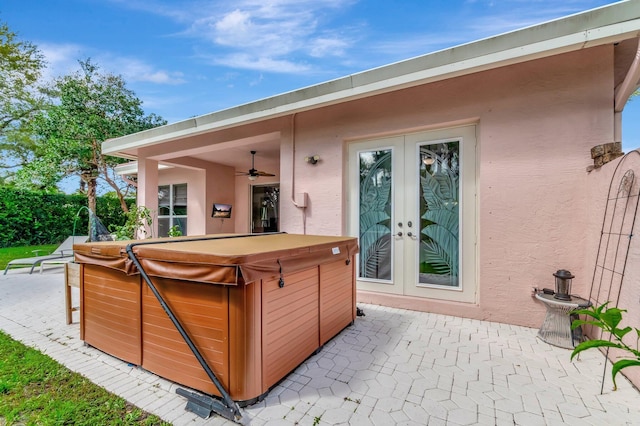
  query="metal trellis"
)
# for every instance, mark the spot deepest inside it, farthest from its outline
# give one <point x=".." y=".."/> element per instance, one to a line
<point x="616" y="235"/>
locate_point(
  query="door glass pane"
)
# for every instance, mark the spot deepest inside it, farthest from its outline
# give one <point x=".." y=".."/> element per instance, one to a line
<point x="375" y="215"/>
<point x="264" y="208"/>
<point x="439" y="212"/>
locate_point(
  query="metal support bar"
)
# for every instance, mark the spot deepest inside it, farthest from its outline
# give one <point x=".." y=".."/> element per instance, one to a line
<point x="204" y="406"/>
<point x="198" y="404"/>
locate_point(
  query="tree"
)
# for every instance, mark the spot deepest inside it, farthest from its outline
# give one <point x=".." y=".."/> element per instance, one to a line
<point x="21" y="97"/>
<point x="90" y="107"/>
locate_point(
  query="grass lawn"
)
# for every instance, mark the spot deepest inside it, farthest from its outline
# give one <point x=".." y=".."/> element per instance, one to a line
<point x="10" y="253"/>
<point x="36" y="390"/>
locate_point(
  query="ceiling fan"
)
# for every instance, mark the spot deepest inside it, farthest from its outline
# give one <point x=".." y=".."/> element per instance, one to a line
<point x="253" y="173"/>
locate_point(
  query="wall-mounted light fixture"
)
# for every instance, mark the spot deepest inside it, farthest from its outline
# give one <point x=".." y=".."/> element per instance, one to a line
<point x="312" y="159"/>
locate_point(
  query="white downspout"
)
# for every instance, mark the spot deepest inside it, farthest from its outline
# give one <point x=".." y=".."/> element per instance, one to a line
<point x="623" y="92"/>
<point x="293" y="175"/>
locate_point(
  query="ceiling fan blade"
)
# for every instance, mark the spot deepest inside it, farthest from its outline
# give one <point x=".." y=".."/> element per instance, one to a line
<point x="252" y="172"/>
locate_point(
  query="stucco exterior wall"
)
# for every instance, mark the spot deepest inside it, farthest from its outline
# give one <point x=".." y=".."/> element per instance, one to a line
<point x="536" y="124"/>
<point x="208" y="184"/>
<point x="222" y="191"/>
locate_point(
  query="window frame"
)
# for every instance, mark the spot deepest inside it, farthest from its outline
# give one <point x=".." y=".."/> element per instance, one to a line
<point x="174" y="219"/>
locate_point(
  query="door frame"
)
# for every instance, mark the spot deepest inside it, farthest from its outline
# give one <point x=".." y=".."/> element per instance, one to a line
<point x="406" y="253"/>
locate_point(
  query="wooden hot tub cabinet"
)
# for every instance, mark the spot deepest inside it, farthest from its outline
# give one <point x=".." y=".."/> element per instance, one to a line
<point x="255" y="306"/>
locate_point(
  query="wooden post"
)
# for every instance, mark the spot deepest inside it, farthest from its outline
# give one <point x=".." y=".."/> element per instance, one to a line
<point x="71" y="279"/>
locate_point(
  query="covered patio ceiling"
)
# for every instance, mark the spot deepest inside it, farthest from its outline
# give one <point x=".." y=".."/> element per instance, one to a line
<point x="234" y="153"/>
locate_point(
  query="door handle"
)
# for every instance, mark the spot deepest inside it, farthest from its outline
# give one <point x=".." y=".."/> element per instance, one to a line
<point x="399" y="234"/>
<point x="410" y="235"/>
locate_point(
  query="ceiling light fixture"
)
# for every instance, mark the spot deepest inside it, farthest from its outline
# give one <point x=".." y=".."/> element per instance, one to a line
<point x="253" y="174"/>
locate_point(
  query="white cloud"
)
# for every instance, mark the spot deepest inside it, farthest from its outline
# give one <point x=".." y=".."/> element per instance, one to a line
<point x="255" y="31"/>
<point x="268" y="64"/>
<point x="328" y="46"/>
<point x="62" y="59"/>
<point x="516" y="14"/>
<point x="135" y="70"/>
<point x="416" y="44"/>
<point x="486" y="18"/>
<point x="292" y="36"/>
<point x="233" y="28"/>
<point x="257" y="81"/>
<point x="272" y="36"/>
<point x="161" y="100"/>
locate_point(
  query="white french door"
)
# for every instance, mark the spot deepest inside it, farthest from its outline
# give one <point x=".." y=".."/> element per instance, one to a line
<point x="413" y="207"/>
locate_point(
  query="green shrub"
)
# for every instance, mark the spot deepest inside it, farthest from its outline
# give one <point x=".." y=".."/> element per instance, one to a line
<point x="35" y="218"/>
<point x="136" y="220"/>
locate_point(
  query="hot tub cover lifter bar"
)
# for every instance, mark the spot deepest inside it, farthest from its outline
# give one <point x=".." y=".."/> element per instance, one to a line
<point x="201" y="405"/>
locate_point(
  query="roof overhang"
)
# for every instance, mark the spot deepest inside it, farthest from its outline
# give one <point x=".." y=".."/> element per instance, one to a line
<point x="605" y="25"/>
<point x="131" y="168"/>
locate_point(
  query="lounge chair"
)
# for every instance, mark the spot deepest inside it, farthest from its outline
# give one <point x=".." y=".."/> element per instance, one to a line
<point x="59" y="261"/>
<point x="64" y="250"/>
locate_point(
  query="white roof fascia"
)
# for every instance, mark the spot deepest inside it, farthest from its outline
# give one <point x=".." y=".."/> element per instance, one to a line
<point x="372" y="82"/>
<point x="131" y="168"/>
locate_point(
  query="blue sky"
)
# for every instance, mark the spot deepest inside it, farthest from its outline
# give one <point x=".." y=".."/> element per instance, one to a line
<point x="188" y="58"/>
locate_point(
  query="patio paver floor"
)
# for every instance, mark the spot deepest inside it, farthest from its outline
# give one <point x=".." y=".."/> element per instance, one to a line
<point x="391" y="367"/>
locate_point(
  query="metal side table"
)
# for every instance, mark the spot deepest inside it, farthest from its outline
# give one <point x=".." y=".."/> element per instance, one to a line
<point x="556" y="328"/>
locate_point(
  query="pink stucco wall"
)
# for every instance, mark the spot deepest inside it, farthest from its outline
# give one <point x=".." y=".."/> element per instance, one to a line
<point x="536" y="124"/>
<point x="219" y="188"/>
<point x="206" y="184"/>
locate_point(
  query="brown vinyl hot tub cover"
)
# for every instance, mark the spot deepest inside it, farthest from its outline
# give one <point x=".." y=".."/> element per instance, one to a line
<point x="219" y="259"/>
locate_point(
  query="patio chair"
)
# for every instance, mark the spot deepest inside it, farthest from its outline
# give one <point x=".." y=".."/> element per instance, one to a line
<point x="64" y="250"/>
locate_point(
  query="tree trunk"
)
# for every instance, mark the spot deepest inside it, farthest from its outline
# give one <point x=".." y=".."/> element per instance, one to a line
<point x="92" y="185"/>
<point x="116" y="188"/>
<point x="88" y="179"/>
<point x="123" y="203"/>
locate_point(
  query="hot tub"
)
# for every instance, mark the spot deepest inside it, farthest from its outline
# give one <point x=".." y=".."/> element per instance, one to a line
<point x="254" y="306"/>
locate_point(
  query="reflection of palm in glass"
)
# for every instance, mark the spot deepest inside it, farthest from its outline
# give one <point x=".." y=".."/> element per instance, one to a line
<point x="439" y="186"/>
<point x="375" y="207"/>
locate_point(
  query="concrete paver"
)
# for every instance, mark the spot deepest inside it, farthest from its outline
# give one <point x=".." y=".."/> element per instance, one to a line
<point x="391" y="367"/>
